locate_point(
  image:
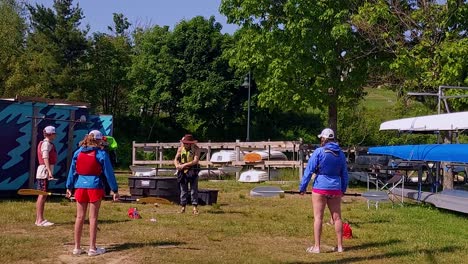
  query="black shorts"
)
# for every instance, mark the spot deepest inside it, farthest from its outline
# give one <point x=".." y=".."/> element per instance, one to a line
<point x="41" y="184"/>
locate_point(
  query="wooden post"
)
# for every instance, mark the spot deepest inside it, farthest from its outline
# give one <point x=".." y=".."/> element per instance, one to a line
<point x="420" y="174"/>
<point x="237" y="156"/>
<point x="133" y="153"/>
<point x="208" y="154"/>
<point x="447" y="176"/>
<point x="161" y="149"/>
<point x="33" y="157"/>
<point x="301" y="162"/>
<point x="269" y="153"/>
<point x="71" y="148"/>
<point x="294" y="151"/>
<point x="156" y="154"/>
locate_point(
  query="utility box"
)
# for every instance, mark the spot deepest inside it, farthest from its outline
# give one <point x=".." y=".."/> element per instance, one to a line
<point x="207" y="197"/>
<point x="164" y="187"/>
<point x="168" y="188"/>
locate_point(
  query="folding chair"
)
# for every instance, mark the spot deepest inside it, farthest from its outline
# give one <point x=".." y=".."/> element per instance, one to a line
<point x="386" y="191"/>
<point x="376" y="178"/>
<point x="374" y="197"/>
<point x="396" y="180"/>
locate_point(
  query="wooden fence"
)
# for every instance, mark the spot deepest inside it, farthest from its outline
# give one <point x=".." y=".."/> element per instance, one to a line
<point x="155" y="153"/>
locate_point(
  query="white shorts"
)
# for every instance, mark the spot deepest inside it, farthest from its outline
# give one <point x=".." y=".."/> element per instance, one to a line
<point x="42" y="172"/>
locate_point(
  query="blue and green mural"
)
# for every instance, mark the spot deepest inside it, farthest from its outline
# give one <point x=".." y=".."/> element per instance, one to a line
<point x="21" y="125"/>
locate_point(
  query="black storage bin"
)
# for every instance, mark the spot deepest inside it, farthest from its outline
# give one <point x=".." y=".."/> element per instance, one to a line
<point x="164" y="187"/>
<point x="207" y="197"/>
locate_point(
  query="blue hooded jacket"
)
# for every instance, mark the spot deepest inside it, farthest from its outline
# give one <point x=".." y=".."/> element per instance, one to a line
<point x="75" y="180"/>
<point x="329" y="165"/>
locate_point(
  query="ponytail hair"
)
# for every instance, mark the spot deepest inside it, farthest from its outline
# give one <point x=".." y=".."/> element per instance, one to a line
<point x="324" y="141"/>
<point x="90" y="141"/>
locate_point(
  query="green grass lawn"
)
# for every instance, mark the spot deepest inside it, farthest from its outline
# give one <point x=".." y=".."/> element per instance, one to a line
<point x="238" y="229"/>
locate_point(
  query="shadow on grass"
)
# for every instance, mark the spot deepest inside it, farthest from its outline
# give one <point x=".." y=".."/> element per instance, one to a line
<point x="430" y="206"/>
<point x="156" y="244"/>
<point x="375" y="244"/>
<point x="33" y="198"/>
<point x="100" y="222"/>
<point x="428" y="253"/>
<point x="358" y="223"/>
<point x="212" y="211"/>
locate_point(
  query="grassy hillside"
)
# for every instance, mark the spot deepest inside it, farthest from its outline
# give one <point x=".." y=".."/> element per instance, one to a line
<point x="378" y="99"/>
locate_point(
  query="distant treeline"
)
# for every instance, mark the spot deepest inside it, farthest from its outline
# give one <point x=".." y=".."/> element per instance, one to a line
<point x="310" y="62"/>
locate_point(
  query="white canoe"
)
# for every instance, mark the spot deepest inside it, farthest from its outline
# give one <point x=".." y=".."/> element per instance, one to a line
<point x="143" y="171"/>
<point x="230" y="169"/>
<point x="253" y="176"/>
<point x="210" y="174"/>
<point x="274" y="155"/>
<point x="225" y="156"/>
<point x="266" y="191"/>
<point x="448" y="122"/>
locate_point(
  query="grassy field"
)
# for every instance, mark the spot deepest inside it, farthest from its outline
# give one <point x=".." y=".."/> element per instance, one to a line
<point x="378" y="98"/>
<point x="238" y="229"/>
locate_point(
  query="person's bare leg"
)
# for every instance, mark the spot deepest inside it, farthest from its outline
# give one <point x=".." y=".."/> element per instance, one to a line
<point x="334" y="204"/>
<point x="79" y="221"/>
<point x="93" y="216"/>
<point x="40" y="205"/>
<point x="318" y="202"/>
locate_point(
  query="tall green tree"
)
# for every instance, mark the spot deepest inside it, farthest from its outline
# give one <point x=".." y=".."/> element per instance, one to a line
<point x="121" y="24"/>
<point x="52" y="65"/>
<point x="183" y="75"/>
<point x="151" y="72"/>
<point x="426" y="41"/>
<point x="304" y="54"/>
<point x="206" y="83"/>
<point x="109" y="60"/>
<point x="12" y="33"/>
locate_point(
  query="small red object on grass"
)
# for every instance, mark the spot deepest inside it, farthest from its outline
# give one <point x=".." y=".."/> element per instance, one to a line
<point x="347" y="231"/>
<point x="133" y="213"/>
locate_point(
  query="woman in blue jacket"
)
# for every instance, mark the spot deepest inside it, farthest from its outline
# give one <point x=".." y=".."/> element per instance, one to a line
<point x="89" y="162"/>
<point x="328" y="163"/>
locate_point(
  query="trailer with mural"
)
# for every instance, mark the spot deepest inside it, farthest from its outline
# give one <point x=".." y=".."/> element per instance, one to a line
<point x="21" y="123"/>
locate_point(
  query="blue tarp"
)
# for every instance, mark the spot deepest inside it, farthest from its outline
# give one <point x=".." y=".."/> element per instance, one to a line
<point x="429" y="152"/>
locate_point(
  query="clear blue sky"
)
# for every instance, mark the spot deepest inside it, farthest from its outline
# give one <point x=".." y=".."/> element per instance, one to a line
<point x="98" y="13"/>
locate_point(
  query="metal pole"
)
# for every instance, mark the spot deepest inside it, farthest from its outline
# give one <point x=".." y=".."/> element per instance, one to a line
<point x="438" y="100"/>
<point x="248" y="113"/>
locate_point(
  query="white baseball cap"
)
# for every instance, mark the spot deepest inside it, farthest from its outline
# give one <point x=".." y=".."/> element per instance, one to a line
<point x="49" y="130"/>
<point x="96" y="133"/>
<point x="327" y="133"/>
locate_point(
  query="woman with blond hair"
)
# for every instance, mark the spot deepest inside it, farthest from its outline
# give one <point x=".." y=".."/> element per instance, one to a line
<point x="328" y="163"/>
<point x="89" y="162"/>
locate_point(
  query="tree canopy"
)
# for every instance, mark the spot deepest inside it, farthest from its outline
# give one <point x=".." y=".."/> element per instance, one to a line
<point x="425" y="39"/>
<point x="305" y="51"/>
<point x="311" y="63"/>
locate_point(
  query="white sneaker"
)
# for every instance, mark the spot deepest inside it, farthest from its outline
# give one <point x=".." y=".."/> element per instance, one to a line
<point x="45" y="223"/>
<point x="338" y="249"/>
<point x="313" y="250"/>
<point x="77" y="251"/>
<point x="97" y="251"/>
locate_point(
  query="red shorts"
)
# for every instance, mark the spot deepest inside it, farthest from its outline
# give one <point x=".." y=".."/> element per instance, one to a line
<point x="328" y="193"/>
<point x="88" y="195"/>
